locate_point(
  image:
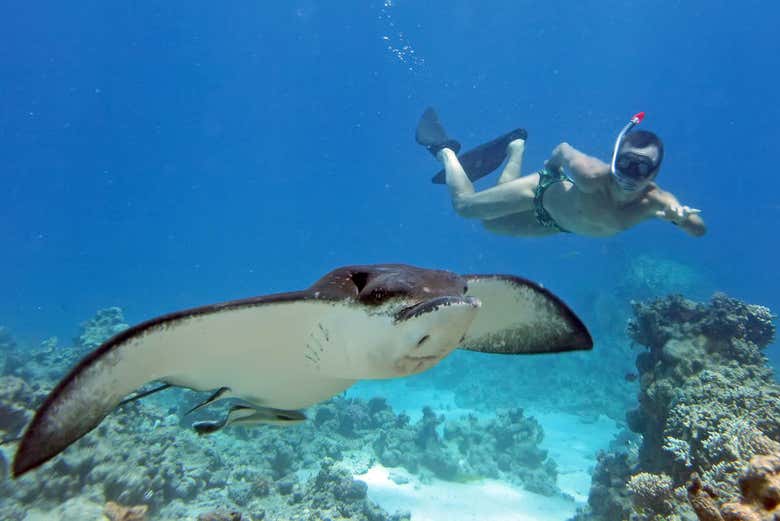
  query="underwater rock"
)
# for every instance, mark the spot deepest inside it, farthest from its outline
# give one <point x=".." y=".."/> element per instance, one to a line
<point x="17" y="405"/>
<point x="609" y="499"/>
<point x="286" y="486"/>
<point x="46" y="362"/>
<point x="74" y="509"/>
<point x="708" y="402"/>
<point x="222" y="515"/>
<point x="105" y="324"/>
<point x="506" y="447"/>
<point x="334" y="494"/>
<point x="117" y="512"/>
<point x="110" y="466"/>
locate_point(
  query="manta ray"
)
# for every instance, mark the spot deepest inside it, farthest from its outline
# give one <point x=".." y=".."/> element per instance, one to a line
<point x="278" y="354"/>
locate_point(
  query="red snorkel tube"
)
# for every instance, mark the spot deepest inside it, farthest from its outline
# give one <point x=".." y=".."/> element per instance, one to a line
<point x="635" y="120"/>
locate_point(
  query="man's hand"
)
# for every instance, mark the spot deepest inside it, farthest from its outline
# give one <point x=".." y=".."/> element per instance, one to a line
<point x="676" y="214"/>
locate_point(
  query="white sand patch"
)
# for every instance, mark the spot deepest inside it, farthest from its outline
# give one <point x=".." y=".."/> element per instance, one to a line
<point x="484" y="500"/>
<point x="573" y="441"/>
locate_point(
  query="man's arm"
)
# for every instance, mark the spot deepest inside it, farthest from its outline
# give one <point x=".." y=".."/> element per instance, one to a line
<point x="588" y="173"/>
<point x="657" y="204"/>
<point x="670" y="209"/>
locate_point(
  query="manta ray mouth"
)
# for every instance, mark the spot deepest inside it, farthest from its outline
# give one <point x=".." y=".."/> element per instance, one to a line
<point x="430" y="306"/>
<point x="418" y="364"/>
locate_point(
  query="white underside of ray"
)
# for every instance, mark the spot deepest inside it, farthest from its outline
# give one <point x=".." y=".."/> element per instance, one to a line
<point x="283" y="355"/>
<point x="514" y="317"/>
<point x="287" y="355"/>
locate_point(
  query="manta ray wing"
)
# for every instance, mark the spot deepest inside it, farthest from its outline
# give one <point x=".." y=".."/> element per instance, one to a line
<point x="272" y="351"/>
<point x="521" y="317"/>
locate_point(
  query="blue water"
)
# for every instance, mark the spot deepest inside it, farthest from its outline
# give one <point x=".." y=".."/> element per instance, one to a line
<point x="168" y="155"/>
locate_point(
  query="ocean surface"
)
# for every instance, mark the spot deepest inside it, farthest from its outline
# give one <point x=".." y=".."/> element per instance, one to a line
<point x="160" y="156"/>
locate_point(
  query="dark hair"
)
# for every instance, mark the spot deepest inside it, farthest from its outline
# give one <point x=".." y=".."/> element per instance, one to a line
<point x="642" y="139"/>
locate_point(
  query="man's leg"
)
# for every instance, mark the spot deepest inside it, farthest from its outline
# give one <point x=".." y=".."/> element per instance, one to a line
<point x="523" y="224"/>
<point x="510" y="197"/>
<point x="514" y="164"/>
<point x="456" y="178"/>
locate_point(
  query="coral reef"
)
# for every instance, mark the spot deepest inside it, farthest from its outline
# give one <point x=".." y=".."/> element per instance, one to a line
<point x="651" y="493"/>
<point x="16" y="410"/>
<point x="505" y="447"/>
<point x="116" y="512"/>
<point x="334" y="494"/>
<point x="48" y="360"/>
<point x="708" y="402"/>
<point x="609" y="498"/>
<point x="105" y="324"/>
<point x="705" y="381"/>
<point x="759" y="490"/>
<point x="142" y="455"/>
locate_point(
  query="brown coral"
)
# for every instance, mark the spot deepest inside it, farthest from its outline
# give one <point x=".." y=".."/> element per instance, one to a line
<point x="702" y="499"/>
<point x="760" y="488"/>
<point x="117" y="512"/>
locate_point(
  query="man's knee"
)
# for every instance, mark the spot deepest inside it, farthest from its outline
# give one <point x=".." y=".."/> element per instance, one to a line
<point x="516" y="148"/>
<point x="463" y="207"/>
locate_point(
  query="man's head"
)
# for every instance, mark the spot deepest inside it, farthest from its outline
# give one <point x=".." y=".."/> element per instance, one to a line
<point x="638" y="160"/>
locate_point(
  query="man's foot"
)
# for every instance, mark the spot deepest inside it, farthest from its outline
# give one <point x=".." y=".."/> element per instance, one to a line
<point x="431" y="134"/>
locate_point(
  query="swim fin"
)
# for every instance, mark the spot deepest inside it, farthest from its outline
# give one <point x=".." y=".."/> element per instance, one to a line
<point x="482" y="160"/>
<point x="431" y="134"/>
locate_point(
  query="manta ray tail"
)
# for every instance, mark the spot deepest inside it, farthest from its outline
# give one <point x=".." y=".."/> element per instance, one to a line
<point x="245" y="414"/>
<point x="144" y="394"/>
<point x="219" y="394"/>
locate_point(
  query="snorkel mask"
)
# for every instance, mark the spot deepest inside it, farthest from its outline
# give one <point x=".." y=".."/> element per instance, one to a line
<point x="631" y="169"/>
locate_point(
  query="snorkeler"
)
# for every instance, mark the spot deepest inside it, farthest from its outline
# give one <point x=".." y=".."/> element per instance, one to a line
<point x="573" y="193"/>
